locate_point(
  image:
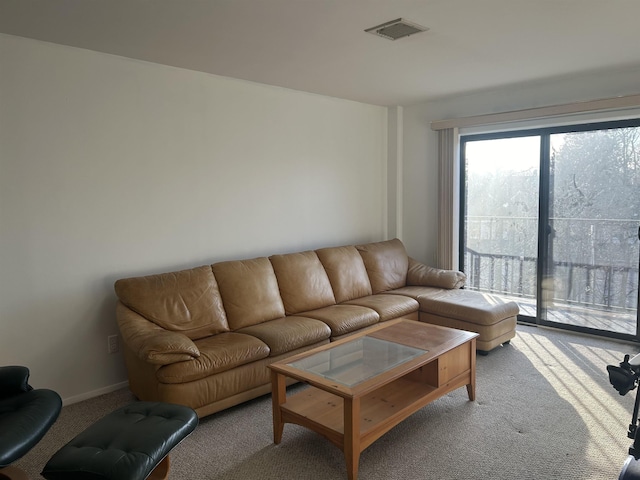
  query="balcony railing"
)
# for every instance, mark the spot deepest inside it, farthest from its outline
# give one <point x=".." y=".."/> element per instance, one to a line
<point x="602" y="287"/>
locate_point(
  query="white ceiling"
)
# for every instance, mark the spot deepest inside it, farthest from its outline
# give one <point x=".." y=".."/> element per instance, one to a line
<point x="320" y="46"/>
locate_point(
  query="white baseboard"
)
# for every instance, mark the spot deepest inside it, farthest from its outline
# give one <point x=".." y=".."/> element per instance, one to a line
<point x="93" y="393"/>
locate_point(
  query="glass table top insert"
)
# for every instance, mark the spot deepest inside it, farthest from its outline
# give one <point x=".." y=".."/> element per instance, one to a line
<point x="354" y="362"/>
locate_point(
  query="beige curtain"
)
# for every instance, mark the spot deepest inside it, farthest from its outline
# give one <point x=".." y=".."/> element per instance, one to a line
<point x="447" y="199"/>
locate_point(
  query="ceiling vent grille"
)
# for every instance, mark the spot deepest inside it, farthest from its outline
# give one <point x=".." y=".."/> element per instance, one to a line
<point x="396" y="29"/>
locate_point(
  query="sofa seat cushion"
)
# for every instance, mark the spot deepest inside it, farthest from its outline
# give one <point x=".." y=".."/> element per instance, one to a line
<point x="217" y="354"/>
<point x="387" y="306"/>
<point x="343" y="319"/>
<point x="289" y="333"/>
<point x="217" y="392"/>
<point x="469" y="306"/>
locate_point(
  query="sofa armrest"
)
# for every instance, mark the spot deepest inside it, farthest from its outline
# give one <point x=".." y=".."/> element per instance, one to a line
<point x="423" y="275"/>
<point x="152" y="343"/>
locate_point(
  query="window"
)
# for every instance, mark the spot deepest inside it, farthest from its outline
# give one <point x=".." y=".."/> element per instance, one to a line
<point x="550" y="218"/>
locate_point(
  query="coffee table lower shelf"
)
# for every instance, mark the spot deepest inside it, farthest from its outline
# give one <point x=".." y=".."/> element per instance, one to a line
<point x="323" y="412"/>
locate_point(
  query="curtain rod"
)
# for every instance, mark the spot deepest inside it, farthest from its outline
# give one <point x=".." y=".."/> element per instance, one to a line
<point x="616" y="103"/>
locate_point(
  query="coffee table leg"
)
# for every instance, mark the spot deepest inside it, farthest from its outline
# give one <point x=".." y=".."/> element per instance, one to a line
<point x="352" y="436"/>
<point x="278" y="397"/>
<point x="471" y="387"/>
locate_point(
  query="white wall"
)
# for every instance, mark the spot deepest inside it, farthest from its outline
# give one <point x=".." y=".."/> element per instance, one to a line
<point x="111" y="167"/>
<point x="420" y="143"/>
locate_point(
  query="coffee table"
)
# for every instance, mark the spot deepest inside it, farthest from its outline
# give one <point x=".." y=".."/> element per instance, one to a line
<point x="365" y="384"/>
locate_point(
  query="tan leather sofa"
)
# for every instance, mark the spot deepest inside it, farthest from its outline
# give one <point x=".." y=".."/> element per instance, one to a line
<point x="203" y="337"/>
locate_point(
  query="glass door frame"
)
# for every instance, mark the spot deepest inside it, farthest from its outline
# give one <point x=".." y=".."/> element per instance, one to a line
<point x="543" y="269"/>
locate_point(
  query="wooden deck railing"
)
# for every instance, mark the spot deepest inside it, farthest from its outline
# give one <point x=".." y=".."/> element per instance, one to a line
<point x="598" y="286"/>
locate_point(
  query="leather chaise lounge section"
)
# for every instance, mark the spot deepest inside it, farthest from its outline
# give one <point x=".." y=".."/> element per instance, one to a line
<point x="203" y="337"/>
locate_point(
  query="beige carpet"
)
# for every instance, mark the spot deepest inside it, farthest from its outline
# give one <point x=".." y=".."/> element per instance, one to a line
<point x="544" y="410"/>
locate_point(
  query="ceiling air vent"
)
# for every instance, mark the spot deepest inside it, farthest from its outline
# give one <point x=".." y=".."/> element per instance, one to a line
<point x="396" y="29"/>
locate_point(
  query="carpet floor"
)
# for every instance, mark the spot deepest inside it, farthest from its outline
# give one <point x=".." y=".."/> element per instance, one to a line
<point x="544" y="410"/>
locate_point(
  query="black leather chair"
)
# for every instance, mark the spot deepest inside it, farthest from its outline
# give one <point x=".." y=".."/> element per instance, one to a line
<point x="25" y="417"/>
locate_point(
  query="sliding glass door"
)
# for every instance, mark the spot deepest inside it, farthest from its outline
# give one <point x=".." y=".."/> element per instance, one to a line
<point x="550" y="218"/>
<point x="592" y="246"/>
<point x="501" y="217"/>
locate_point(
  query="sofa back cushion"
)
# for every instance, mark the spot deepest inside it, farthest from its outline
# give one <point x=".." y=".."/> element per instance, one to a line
<point x="346" y="272"/>
<point x="187" y="301"/>
<point x="387" y="264"/>
<point x="249" y="291"/>
<point x="303" y="282"/>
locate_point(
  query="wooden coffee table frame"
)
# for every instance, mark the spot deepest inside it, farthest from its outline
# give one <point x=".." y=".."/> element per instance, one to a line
<point x="353" y="418"/>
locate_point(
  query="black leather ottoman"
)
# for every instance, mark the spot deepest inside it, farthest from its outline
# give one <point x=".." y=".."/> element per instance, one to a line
<point x="131" y="443"/>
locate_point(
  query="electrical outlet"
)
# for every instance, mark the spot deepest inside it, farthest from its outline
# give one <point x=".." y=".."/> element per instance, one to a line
<point x="112" y="344"/>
